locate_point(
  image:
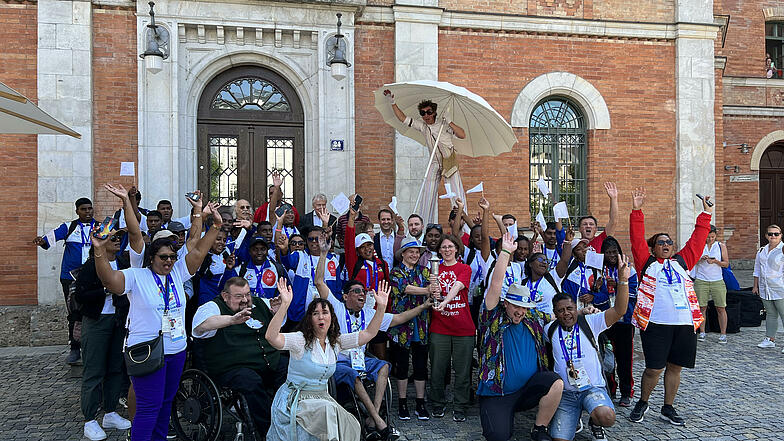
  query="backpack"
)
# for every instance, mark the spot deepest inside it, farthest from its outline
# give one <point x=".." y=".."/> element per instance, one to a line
<point x="71" y="228"/>
<point x="678" y="258"/>
<point x="582" y="323"/>
<point x="550" y="280"/>
<point x="278" y="267"/>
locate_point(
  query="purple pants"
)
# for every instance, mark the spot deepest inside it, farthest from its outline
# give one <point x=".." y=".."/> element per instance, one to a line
<point x="154" y="395"/>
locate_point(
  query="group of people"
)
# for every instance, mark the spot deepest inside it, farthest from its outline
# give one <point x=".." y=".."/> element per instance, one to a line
<point x="274" y="308"/>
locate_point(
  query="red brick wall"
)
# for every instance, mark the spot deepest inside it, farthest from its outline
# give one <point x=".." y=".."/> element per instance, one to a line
<point x="114" y="101"/>
<point x="19" y="160"/>
<point x="374" y="66"/>
<point x="657" y="11"/>
<point x="745" y="43"/>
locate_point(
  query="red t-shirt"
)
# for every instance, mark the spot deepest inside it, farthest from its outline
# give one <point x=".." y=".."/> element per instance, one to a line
<point x="455" y="319"/>
<point x="596" y="243"/>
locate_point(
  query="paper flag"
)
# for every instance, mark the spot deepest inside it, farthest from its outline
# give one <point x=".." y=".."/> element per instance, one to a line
<point x="513" y="230"/>
<point x="393" y="205"/>
<point x="478" y="189"/>
<point x="542" y="222"/>
<point x="341" y="203"/>
<point x="127" y="169"/>
<point x="449" y="195"/>
<point x="560" y="211"/>
<point x="594" y="260"/>
<point x="542" y="185"/>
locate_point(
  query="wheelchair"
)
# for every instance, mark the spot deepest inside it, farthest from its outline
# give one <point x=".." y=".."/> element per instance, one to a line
<point x="346" y="397"/>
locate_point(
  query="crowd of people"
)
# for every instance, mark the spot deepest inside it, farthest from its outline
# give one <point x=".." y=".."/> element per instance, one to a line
<point x="275" y="304"/>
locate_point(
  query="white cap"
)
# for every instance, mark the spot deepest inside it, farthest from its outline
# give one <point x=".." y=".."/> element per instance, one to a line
<point x="362" y="238"/>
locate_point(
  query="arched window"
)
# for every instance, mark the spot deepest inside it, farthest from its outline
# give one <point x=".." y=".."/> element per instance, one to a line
<point x="250" y="94"/>
<point x="557" y="145"/>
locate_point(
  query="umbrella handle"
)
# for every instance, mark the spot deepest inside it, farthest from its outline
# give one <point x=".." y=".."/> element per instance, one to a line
<point x="430" y="164"/>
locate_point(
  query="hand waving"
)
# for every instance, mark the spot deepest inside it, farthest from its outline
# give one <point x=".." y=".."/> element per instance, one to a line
<point x="612" y="191"/>
<point x="509" y="243"/>
<point x="638" y="198"/>
<point x="118" y="190"/>
<point x="285" y="292"/>
<point x="382" y="295"/>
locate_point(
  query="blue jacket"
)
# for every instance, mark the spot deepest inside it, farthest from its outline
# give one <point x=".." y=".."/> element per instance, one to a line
<point x="77" y="245"/>
<point x="304" y="267"/>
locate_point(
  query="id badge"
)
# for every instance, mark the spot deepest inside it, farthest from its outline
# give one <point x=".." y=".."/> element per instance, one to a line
<point x="679" y="298"/>
<point x="357" y="360"/>
<point x="85" y="253"/>
<point x="580" y="379"/>
<point x="166" y="323"/>
<point x="177" y="328"/>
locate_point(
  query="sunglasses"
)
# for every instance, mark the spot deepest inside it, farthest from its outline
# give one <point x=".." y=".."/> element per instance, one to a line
<point x="774" y="234"/>
<point x="297" y="243"/>
<point x="313" y="239"/>
<point x="664" y="242"/>
<point x="356" y="291"/>
<point x="116" y="238"/>
<point x="436" y="226"/>
<point x="426" y="112"/>
<point x="172" y="257"/>
<point x="540" y="259"/>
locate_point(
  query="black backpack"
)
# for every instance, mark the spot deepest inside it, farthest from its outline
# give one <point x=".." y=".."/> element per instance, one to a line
<point x="678" y="258"/>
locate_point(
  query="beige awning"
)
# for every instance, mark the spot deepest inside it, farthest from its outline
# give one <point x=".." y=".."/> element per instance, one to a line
<point x="20" y="115"/>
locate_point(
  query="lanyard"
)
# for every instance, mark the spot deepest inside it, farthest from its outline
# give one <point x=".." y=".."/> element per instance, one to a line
<point x="669" y="273"/>
<point x="583" y="281"/>
<point x="510" y="278"/>
<point x="288" y="231"/>
<point x="611" y="273"/>
<point x="367" y="275"/>
<point x="478" y="274"/>
<point x="259" y="284"/>
<point x="165" y="292"/>
<point x="348" y="321"/>
<point x="534" y="288"/>
<point x="86" y="237"/>
<point x="575" y="335"/>
<point x="553" y="261"/>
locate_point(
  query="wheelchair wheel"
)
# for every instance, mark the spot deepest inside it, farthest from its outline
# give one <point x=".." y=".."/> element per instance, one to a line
<point x="197" y="411"/>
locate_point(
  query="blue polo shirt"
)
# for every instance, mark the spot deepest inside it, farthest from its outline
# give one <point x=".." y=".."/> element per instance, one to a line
<point x="520" y="357"/>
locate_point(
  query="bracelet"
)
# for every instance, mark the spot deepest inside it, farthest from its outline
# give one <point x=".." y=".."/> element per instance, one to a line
<point x="97" y="257"/>
<point x="278" y="230"/>
<point x="623" y="283"/>
<point x="507" y="252"/>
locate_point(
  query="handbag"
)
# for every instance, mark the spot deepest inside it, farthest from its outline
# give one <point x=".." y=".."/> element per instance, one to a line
<point x="144" y="358"/>
<point x="449" y="165"/>
<point x="729" y="277"/>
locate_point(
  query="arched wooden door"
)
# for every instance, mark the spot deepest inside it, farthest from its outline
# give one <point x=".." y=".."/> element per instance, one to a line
<point x="771" y="188"/>
<point x="250" y="123"/>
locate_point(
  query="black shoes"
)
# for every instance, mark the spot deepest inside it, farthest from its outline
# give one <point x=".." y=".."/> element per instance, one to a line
<point x="438" y="412"/>
<point x="421" y="411"/>
<point x="458" y="416"/>
<point x="402" y="412"/>
<point x="539" y="433"/>
<point x="669" y="414"/>
<point x="639" y="411"/>
<point x="74" y="357"/>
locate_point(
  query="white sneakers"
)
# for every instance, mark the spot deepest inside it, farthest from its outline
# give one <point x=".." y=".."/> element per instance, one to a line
<point x="767" y="343"/>
<point x="93" y="431"/>
<point x="701" y="337"/>
<point x="723" y="339"/>
<point x="114" y="421"/>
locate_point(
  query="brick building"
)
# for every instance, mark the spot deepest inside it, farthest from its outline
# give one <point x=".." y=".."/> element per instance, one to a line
<point x="671" y="95"/>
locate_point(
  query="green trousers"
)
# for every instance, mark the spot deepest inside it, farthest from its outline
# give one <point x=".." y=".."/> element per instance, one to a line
<point x="102" y="341"/>
<point x="459" y="350"/>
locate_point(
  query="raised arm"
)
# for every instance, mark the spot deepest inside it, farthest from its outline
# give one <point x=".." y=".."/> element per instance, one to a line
<point x="195" y="256"/>
<point x="391" y="98"/>
<point x="348" y="241"/>
<point x="112" y="280"/>
<point x="621" y="294"/>
<point x="321" y="284"/>
<point x="612" y="192"/>
<point x="273" y="335"/>
<point x="459" y="132"/>
<point x="485" y="244"/>
<point x="197" y="218"/>
<point x="135" y="239"/>
<point x="640" y="251"/>
<point x="381" y="296"/>
<point x="692" y="250"/>
<point x="456" y="223"/>
<point x="493" y="293"/>
<point x="277" y="195"/>
<point x="566" y="253"/>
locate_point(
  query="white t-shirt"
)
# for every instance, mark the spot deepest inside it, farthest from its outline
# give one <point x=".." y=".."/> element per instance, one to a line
<point x="589" y="358"/>
<point x="709" y="272"/>
<point x="514" y="274"/>
<point x="294" y="342"/>
<point x="206" y="311"/>
<point x="664" y="311"/>
<point x="137" y="259"/>
<point x="147" y="305"/>
<point x="769" y="268"/>
<point x="478" y="271"/>
<point x="108" y="304"/>
<point x="356" y="322"/>
<point x="546" y="290"/>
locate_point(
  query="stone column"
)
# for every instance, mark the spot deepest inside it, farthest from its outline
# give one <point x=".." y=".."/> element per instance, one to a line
<point x="695" y="93"/>
<point x="416" y="58"/>
<point x="64" y="92"/>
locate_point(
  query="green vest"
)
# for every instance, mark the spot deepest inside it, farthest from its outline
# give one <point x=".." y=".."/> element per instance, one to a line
<point x="240" y="346"/>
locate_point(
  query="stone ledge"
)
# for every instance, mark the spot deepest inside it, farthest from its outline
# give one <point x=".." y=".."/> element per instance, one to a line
<point x="40" y="325"/>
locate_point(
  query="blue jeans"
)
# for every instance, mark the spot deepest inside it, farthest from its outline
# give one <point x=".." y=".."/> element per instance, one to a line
<point x="570" y="409"/>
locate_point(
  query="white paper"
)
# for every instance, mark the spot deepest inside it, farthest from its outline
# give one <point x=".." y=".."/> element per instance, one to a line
<point x="513" y="230"/>
<point x="478" y="189"/>
<point x="449" y="195"/>
<point x="560" y="211"/>
<point x="340" y="204"/>
<point x="542" y="185"/>
<point x="127" y="169"/>
<point x="393" y="205"/>
<point x="594" y="260"/>
<point x="542" y="222"/>
<point x="448" y="187"/>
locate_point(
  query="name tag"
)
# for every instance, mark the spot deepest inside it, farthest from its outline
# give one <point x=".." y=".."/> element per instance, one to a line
<point x="357" y="359"/>
<point x="173" y="326"/>
<point x="578" y="376"/>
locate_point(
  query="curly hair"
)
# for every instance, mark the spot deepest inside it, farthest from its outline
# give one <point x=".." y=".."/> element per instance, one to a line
<point x="427" y="103"/>
<point x="306" y="324"/>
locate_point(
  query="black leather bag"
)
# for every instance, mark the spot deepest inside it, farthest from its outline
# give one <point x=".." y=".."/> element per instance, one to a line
<point x="144" y="358"/>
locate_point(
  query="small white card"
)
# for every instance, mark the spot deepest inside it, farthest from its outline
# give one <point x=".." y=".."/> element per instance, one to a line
<point x="560" y="211"/>
<point x="127" y="169"/>
<point x="393" y="205"/>
<point x="542" y="222"/>
<point x="340" y="204"/>
<point x="513" y="230"/>
<point x="541" y="184"/>
<point x="594" y="260"/>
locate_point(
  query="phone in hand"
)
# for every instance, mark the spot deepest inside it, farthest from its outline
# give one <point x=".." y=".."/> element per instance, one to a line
<point x="357" y="202"/>
<point x="702" y="198"/>
<point x="280" y="211"/>
<point x="105" y="229"/>
<point x="192" y="196"/>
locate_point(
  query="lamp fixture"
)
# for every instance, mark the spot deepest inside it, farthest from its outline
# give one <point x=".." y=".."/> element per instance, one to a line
<point x="734" y="168"/>
<point x="743" y="147"/>
<point x="157" y="44"/>
<point x="337" y="62"/>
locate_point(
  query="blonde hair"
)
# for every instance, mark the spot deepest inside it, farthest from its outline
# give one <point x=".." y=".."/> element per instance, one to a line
<point x="773" y="226"/>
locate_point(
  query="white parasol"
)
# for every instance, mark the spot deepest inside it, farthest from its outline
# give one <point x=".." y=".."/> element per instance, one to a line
<point x="20" y="115"/>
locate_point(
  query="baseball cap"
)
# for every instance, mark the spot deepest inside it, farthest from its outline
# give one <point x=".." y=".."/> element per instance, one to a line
<point x="520" y="295"/>
<point x="258" y="239"/>
<point x="176" y="227"/>
<point x="362" y="238"/>
<point x="163" y="234"/>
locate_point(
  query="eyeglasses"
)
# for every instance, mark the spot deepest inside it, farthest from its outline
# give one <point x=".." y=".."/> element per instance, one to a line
<point x="313" y="239"/>
<point x="540" y="259"/>
<point x="436" y="226"/>
<point x="116" y="238"/>
<point x="172" y="257"/>
<point x="774" y="234"/>
<point x="356" y="291"/>
<point x="447" y="247"/>
<point x="240" y="296"/>
<point x="297" y="243"/>
<point x="664" y="242"/>
<point x="426" y="112"/>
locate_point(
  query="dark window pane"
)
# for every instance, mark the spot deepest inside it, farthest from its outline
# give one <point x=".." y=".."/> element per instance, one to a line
<point x="250" y="94"/>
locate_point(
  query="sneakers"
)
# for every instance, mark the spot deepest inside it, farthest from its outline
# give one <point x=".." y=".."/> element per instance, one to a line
<point x="626" y="401"/>
<point x="579" y="426"/>
<point x="668" y="413"/>
<point x="93" y="431"/>
<point x="597" y="432"/>
<point x="723" y="339"/>
<point x="458" y="416"/>
<point x="767" y="343"/>
<point x="539" y="433"/>
<point x="438" y="412"/>
<point x="638" y="413"/>
<point x="402" y="412"/>
<point x="701" y="337"/>
<point x="114" y="421"/>
<point x="421" y="412"/>
<point x="74" y="357"/>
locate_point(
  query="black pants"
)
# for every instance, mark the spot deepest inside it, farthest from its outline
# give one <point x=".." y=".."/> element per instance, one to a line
<point x="73" y="316"/>
<point x="259" y="389"/>
<point x="622" y="337"/>
<point x="102" y="377"/>
<point x="399" y="355"/>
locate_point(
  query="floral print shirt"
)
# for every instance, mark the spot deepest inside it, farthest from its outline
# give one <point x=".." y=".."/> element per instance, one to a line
<point x="401" y="277"/>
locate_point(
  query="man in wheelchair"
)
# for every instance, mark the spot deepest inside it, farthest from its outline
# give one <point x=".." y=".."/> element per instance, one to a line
<point x="354" y="365"/>
<point x="230" y="331"/>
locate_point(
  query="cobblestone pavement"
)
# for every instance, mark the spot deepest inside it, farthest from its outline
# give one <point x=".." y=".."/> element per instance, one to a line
<point x="734" y="393"/>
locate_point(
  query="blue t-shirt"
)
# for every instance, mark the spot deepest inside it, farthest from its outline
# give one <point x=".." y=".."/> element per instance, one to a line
<point x="521" y="360"/>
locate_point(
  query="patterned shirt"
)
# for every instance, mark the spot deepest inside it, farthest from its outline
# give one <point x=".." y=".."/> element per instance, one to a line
<point x="401" y="277"/>
<point x="492" y="324"/>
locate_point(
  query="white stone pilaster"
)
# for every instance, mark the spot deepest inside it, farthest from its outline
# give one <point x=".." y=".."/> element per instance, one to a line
<point x="416" y="58"/>
<point x="695" y="125"/>
<point x="65" y="92"/>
